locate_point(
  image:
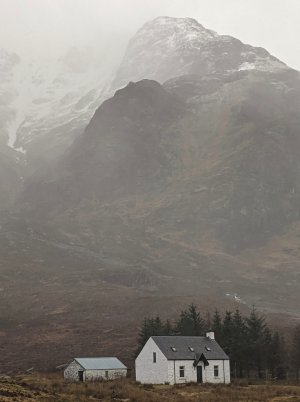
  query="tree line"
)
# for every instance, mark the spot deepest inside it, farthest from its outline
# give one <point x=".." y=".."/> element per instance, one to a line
<point x="253" y="347"/>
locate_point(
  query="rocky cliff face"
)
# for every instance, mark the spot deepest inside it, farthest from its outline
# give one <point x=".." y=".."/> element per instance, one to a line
<point x="194" y="184"/>
<point x="168" y="47"/>
<point x="216" y="151"/>
<point x="46" y="104"/>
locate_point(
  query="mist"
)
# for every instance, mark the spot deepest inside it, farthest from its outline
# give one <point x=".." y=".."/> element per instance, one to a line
<point x="47" y="28"/>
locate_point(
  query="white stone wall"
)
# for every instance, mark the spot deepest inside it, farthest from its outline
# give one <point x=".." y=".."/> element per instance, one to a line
<point x="148" y="372"/>
<point x="224" y="372"/>
<point x="190" y="372"/>
<point x="227" y="371"/>
<point x="94" y="375"/>
<point x="71" y="372"/>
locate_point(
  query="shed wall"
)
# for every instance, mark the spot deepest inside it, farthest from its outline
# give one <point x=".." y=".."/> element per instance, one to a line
<point x="94" y="375"/>
<point x="71" y="372"/>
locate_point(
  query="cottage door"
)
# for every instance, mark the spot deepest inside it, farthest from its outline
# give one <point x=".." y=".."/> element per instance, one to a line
<point x="80" y="375"/>
<point x="199" y="374"/>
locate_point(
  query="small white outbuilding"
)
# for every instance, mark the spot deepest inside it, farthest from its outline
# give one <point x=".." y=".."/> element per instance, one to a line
<point x="95" y="369"/>
<point x="181" y="359"/>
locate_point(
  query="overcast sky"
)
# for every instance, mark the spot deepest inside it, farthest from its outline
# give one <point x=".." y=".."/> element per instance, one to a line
<point x="49" y="26"/>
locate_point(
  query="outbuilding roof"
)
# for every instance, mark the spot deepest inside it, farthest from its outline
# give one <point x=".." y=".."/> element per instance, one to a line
<point x="100" y="363"/>
<point x="189" y="347"/>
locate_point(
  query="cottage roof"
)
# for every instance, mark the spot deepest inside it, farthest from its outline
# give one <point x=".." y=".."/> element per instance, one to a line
<point x="189" y="347"/>
<point x="100" y="363"/>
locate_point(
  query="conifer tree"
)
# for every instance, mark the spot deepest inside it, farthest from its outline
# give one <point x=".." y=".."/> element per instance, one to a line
<point x="227" y="333"/>
<point x="256" y="334"/>
<point x="217" y="327"/>
<point x="239" y="344"/>
<point x="190" y="322"/>
<point x="295" y="356"/>
<point x="168" y="328"/>
<point x="276" y="355"/>
<point x="150" y="327"/>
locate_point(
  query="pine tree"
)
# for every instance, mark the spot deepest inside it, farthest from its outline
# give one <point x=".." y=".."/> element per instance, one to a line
<point x="217" y="327"/>
<point x="256" y="338"/>
<point x="227" y="333"/>
<point x="239" y="344"/>
<point x="168" y="328"/>
<point x="276" y="355"/>
<point x="295" y="352"/>
<point x="150" y="327"/>
<point x="190" y="322"/>
<point x="208" y="322"/>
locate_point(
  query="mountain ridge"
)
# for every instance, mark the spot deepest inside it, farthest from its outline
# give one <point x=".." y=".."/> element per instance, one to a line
<point x="180" y="46"/>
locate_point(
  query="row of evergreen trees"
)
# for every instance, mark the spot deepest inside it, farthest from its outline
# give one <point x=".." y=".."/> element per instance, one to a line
<point x="253" y="348"/>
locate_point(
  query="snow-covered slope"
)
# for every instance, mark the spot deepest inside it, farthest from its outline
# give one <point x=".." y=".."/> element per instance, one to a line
<point x="167" y="47"/>
<point x="44" y="103"/>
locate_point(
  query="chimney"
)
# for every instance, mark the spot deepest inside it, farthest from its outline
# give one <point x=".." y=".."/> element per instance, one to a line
<point x="210" y="335"/>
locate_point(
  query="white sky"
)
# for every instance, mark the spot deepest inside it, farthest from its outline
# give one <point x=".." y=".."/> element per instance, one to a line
<point x="49" y="26"/>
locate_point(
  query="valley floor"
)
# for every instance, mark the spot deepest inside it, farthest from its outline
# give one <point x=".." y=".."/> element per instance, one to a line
<point x="52" y="388"/>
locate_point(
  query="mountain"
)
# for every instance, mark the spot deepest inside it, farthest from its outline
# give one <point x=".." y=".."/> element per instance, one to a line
<point x="46" y="103"/>
<point x="185" y="178"/>
<point x="183" y="187"/>
<point x="167" y="47"/>
<point x="11" y="180"/>
<point x="205" y="161"/>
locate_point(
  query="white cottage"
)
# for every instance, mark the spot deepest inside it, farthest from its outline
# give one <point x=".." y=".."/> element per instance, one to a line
<point x="95" y="369"/>
<point x="180" y="359"/>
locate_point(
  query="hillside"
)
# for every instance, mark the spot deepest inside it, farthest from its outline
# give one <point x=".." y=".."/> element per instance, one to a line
<point x="186" y="179"/>
<point x="183" y="187"/>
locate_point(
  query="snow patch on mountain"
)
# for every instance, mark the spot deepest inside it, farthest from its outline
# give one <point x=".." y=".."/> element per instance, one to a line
<point x="42" y="95"/>
<point x="169" y="47"/>
<point x="247" y="66"/>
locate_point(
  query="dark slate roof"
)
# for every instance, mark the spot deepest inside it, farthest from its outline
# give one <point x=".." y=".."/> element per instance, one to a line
<point x="182" y="344"/>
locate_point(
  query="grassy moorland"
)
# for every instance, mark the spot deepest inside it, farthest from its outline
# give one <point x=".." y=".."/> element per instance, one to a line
<point x="52" y="388"/>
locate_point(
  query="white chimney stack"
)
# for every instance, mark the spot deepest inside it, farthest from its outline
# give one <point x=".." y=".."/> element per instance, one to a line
<point x="210" y="335"/>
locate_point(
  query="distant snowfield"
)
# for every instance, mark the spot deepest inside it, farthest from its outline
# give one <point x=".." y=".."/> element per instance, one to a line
<point x="42" y="95"/>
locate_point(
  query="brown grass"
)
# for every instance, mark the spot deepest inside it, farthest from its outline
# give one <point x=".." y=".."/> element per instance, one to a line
<point x="52" y="388"/>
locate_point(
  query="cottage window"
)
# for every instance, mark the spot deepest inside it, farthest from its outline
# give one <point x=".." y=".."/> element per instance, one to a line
<point x="181" y="371"/>
<point x="216" y="371"/>
<point x="154" y="357"/>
